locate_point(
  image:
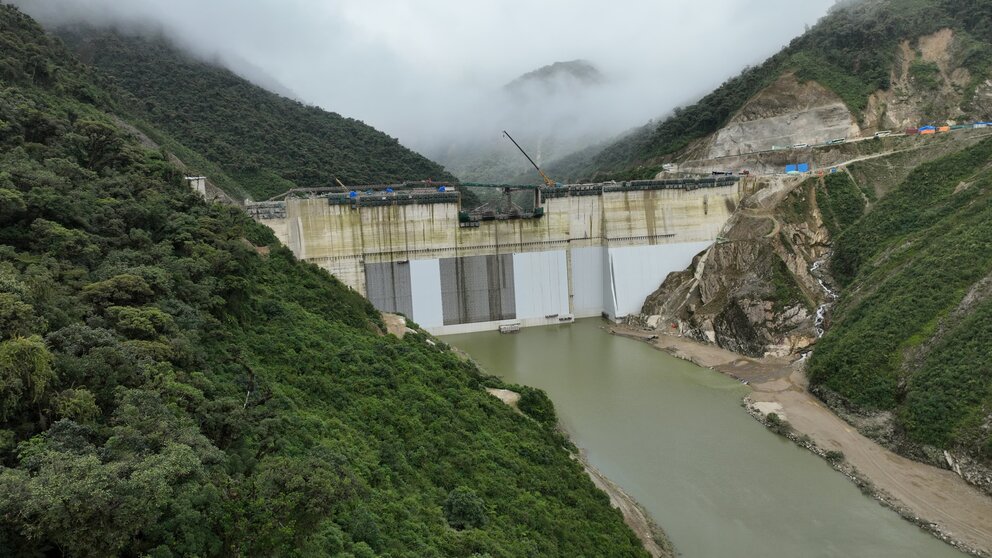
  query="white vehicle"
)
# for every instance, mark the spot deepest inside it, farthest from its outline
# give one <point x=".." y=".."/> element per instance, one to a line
<point x="883" y="133"/>
<point x="800" y="146"/>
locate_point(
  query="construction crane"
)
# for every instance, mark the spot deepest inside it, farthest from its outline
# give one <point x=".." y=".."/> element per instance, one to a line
<point x="547" y="179"/>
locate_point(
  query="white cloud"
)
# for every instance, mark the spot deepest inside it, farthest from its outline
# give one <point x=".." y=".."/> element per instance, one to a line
<point x="421" y="69"/>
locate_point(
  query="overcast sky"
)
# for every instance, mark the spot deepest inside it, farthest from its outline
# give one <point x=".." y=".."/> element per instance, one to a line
<point x="416" y="68"/>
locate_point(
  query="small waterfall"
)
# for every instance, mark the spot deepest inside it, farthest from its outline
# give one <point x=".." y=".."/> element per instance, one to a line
<point x="821" y="312"/>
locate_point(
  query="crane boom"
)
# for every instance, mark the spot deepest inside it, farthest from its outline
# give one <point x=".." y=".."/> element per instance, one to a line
<point x="546" y="178"/>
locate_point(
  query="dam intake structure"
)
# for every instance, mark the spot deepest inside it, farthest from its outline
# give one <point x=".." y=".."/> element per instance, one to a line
<point x="584" y="250"/>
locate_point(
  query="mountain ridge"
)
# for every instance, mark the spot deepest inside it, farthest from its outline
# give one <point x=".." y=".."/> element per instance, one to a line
<point x="581" y="71"/>
<point x="543" y="110"/>
<point x="263" y="142"/>
<point x="851" y="52"/>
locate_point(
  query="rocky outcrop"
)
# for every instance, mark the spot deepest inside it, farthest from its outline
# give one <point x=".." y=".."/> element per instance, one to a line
<point x="982" y="102"/>
<point x="752" y="292"/>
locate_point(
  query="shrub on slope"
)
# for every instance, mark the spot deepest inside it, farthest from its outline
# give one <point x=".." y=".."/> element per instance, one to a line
<point x="167" y="390"/>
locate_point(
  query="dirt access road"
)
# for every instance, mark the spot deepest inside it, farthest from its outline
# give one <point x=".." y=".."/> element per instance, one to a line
<point x="957" y="511"/>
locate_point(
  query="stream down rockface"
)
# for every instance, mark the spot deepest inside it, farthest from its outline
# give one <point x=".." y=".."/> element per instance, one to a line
<point x="676" y="438"/>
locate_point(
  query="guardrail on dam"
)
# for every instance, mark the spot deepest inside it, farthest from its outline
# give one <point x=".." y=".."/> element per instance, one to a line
<point x="595" y="249"/>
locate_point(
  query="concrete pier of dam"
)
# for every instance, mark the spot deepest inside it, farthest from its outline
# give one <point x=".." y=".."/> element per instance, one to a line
<point x="594" y="250"/>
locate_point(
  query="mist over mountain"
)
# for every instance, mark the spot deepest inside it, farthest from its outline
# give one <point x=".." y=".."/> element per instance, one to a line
<point x="548" y="110"/>
<point x="552" y="77"/>
<point x="431" y="73"/>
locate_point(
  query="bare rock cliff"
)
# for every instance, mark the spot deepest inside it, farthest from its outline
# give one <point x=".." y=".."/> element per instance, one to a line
<point x="752" y="292"/>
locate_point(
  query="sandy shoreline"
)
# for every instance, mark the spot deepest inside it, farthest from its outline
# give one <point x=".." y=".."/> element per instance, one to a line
<point x="936" y="499"/>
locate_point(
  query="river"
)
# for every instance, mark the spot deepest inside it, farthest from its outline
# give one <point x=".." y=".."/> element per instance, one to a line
<point x="676" y="437"/>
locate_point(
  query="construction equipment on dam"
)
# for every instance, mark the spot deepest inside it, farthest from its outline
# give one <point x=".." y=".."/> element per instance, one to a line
<point x="587" y="249"/>
<point x="547" y="180"/>
<point x="504" y="207"/>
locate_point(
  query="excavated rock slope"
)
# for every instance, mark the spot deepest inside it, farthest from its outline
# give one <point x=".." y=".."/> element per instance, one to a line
<point x="929" y="85"/>
<point x="753" y="292"/>
<point x="784" y="114"/>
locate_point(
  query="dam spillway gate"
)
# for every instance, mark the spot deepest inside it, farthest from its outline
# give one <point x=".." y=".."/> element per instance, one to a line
<point x="587" y="250"/>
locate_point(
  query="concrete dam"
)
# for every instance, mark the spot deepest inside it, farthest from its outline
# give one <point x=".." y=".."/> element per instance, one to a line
<point x="586" y="250"/>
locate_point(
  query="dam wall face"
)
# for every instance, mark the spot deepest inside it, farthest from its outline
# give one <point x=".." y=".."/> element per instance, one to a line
<point x="588" y="255"/>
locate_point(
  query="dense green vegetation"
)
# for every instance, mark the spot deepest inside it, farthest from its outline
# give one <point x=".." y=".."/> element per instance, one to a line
<point x="925" y="74"/>
<point x="840" y="200"/>
<point x="264" y="142"/>
<point x="904" y="337"/>
<point x="167" y="388"/>
<point x="850" y="51"/>
<point x="785" y="290"/>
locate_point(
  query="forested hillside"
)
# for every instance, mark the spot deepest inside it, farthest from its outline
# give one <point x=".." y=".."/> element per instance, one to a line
<point x="174" y="383"/>
<point x="265" y="143"/>
<point x="912" y="332"/>
<point x="850" y="51"/>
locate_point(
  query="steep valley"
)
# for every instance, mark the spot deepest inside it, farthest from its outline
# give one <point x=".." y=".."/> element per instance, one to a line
<point x="174" y="382"/>
<point x="184" y="377"/>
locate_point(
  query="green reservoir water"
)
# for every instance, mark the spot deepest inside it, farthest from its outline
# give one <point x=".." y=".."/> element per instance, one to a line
<point x="675" y="436"/>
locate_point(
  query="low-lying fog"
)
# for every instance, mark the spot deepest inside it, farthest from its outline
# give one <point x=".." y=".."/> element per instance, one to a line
<point x="432" y="72"/>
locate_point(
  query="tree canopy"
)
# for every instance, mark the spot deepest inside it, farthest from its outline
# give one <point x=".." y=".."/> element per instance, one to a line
<point x="248" y="140"/>
<point x="167" y="388"/>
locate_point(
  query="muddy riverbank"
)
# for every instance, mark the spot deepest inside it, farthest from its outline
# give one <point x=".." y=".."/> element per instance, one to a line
<point x="935" y="499"/>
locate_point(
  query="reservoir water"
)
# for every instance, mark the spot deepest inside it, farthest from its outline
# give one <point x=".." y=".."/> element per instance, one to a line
<point x="676" y="437"/>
